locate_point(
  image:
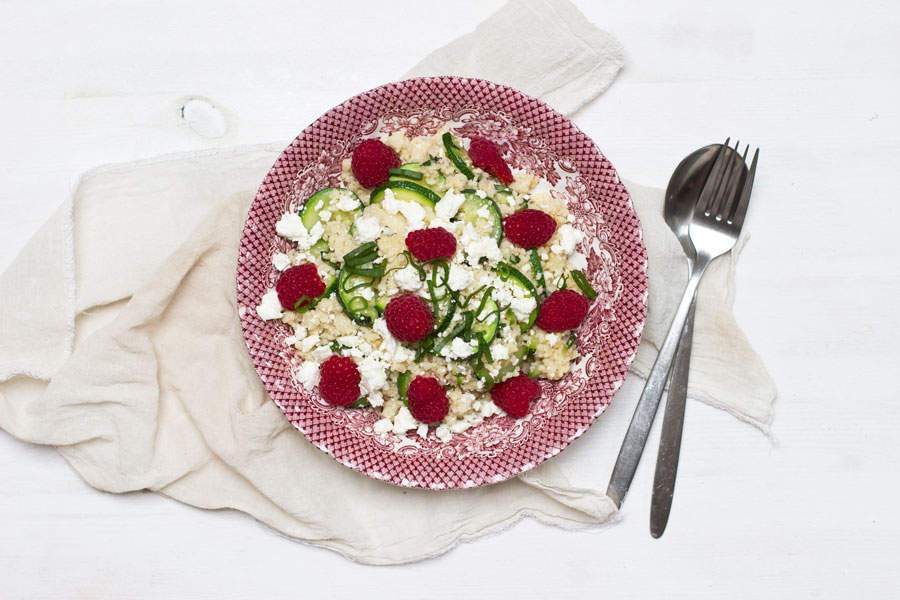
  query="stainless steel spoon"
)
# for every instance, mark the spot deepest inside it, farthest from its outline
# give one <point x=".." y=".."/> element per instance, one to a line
<point x="682" y="195"/>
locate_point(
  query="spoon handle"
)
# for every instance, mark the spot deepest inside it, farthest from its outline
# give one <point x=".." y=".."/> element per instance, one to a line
<point x="673" y="424"/>
<point x="644" y="413"/>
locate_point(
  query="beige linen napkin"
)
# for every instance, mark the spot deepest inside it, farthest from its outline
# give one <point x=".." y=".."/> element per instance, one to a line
<point x="121" y="346"/>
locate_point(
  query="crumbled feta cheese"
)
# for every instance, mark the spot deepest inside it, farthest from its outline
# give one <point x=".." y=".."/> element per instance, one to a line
<point x="308" y="374"/>
<point x="451" y="226"/>
<point x="522" y="307"/>
<point x="281" y="261"/>
<point x="499" y="351"/>
<point x="570" y="218"/>
<point x="325" y="215"/>
<point x="448" y="206"/>
<point x="569" y="238"/>
<point x="414" y="212"/>
<point x="403" y="354"/>
<point x="404" y="421"/>
<point x="407" y="279"/>
<point x="290" y="340"/>
<point x="383" y="426"/>
<point x="351" y="341"/>
<point x="484" y="248"/>
<point x="552" y="338"/>
<point x="291" y="226"/>
<point x="347" y="202"/>
<point x="299" y="331"/>
<point x="578" y="260"/>
<point x="489" y="409"/>
<point x="459" y="277"/>
<point x="459" y="426"/>
<point x="366" y="292"/>
<point x="544" y="256"/>
<point x="484" y="212"/>
<point x="480" y="194"/>
<point x="373" y="377"/>
<point x="469" y="235"/>
<point x="322" y="353"/>
<point x="443" y="433"/>
<point x="459" y="349"/>
<point x="422" y="430"/>
<point x="269" y="306"/>
<point x="366" y="229"/>
<point x="307" y="344"/>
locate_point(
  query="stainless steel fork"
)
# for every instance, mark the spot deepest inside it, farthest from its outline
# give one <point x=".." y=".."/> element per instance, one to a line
<point x="715" y="227"/>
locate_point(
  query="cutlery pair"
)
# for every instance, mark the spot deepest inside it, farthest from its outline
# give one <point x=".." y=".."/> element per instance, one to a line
<point x="707" y="224"/>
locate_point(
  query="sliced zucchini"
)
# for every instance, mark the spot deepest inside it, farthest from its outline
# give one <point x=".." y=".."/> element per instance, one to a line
<point x="407" y="172"/>
<point x="358" y="308"/>
<point x="406" y="191"/>
<point x="403" y="382"/>
<point x="477" y="210"/>
<point x="487" y="322"/>
<point x="319" y="201"/>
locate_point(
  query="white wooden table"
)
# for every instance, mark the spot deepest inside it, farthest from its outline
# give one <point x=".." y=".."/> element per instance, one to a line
<point x="815" y="83"/>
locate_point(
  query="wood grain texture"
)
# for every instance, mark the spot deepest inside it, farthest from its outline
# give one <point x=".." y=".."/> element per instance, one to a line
<point x="815" y="84"/>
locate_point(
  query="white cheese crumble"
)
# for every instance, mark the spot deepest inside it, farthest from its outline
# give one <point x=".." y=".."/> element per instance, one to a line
<point x="269" y="306"/>
<point x="367" y="229"/>
<point x="373" y="377"/>
<point x="291" y="340"/>
<point x="383" y="425"/>
<point x="347" y="203"/>
<point x="459" y="277"/>
<point x="448" y="206"/>
<point x="322" y="353"/>
<point x="407" y="279"/>
<point x="484" y="248"/>
<point x="308" y="374"/>
<point x="308" y="342"/>
<point x="291" y="226"/>
<point x="281" y="261"/>
<point x="404" y="421"/>
<point x="443" y="433"/>
<point x="552" y="338"/>
<point x="569" y="238"/>
<point x="414" y="212"/>
<point x="499" y="351"/>
<point x="458" y="349"/>
<point x="578" y="260"/>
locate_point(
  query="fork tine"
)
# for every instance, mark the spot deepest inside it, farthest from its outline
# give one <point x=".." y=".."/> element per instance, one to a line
<point x="741" y="210"/>
<point x="707" y="194"/>
<point x="725" y="191"/>
<point x="734" y="185"/>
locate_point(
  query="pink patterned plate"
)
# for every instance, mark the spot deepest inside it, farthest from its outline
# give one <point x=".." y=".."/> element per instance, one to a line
<point x="533" y="137"/>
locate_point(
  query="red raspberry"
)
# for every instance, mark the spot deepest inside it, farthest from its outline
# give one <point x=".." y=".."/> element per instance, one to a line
<point x="486" y="155"/>
<point x="427" y="244"/>
<point x="562" y="310"/>
<point x="515" y="394"/>
<point x="371" y="161"/>
<point x="339" y="380"/>
<point x="529" y="228"/>
<point x="299" y="281"/>
<point x="427" y="400"/>
<point x="408" y="318"/>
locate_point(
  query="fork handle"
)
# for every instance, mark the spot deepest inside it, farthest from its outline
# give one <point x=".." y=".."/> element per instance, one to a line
<point x="644" y="413"/>
<point x="673" y="425"/>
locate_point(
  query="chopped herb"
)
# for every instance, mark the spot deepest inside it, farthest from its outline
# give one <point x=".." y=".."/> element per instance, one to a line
<point x="582" y="282"/>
